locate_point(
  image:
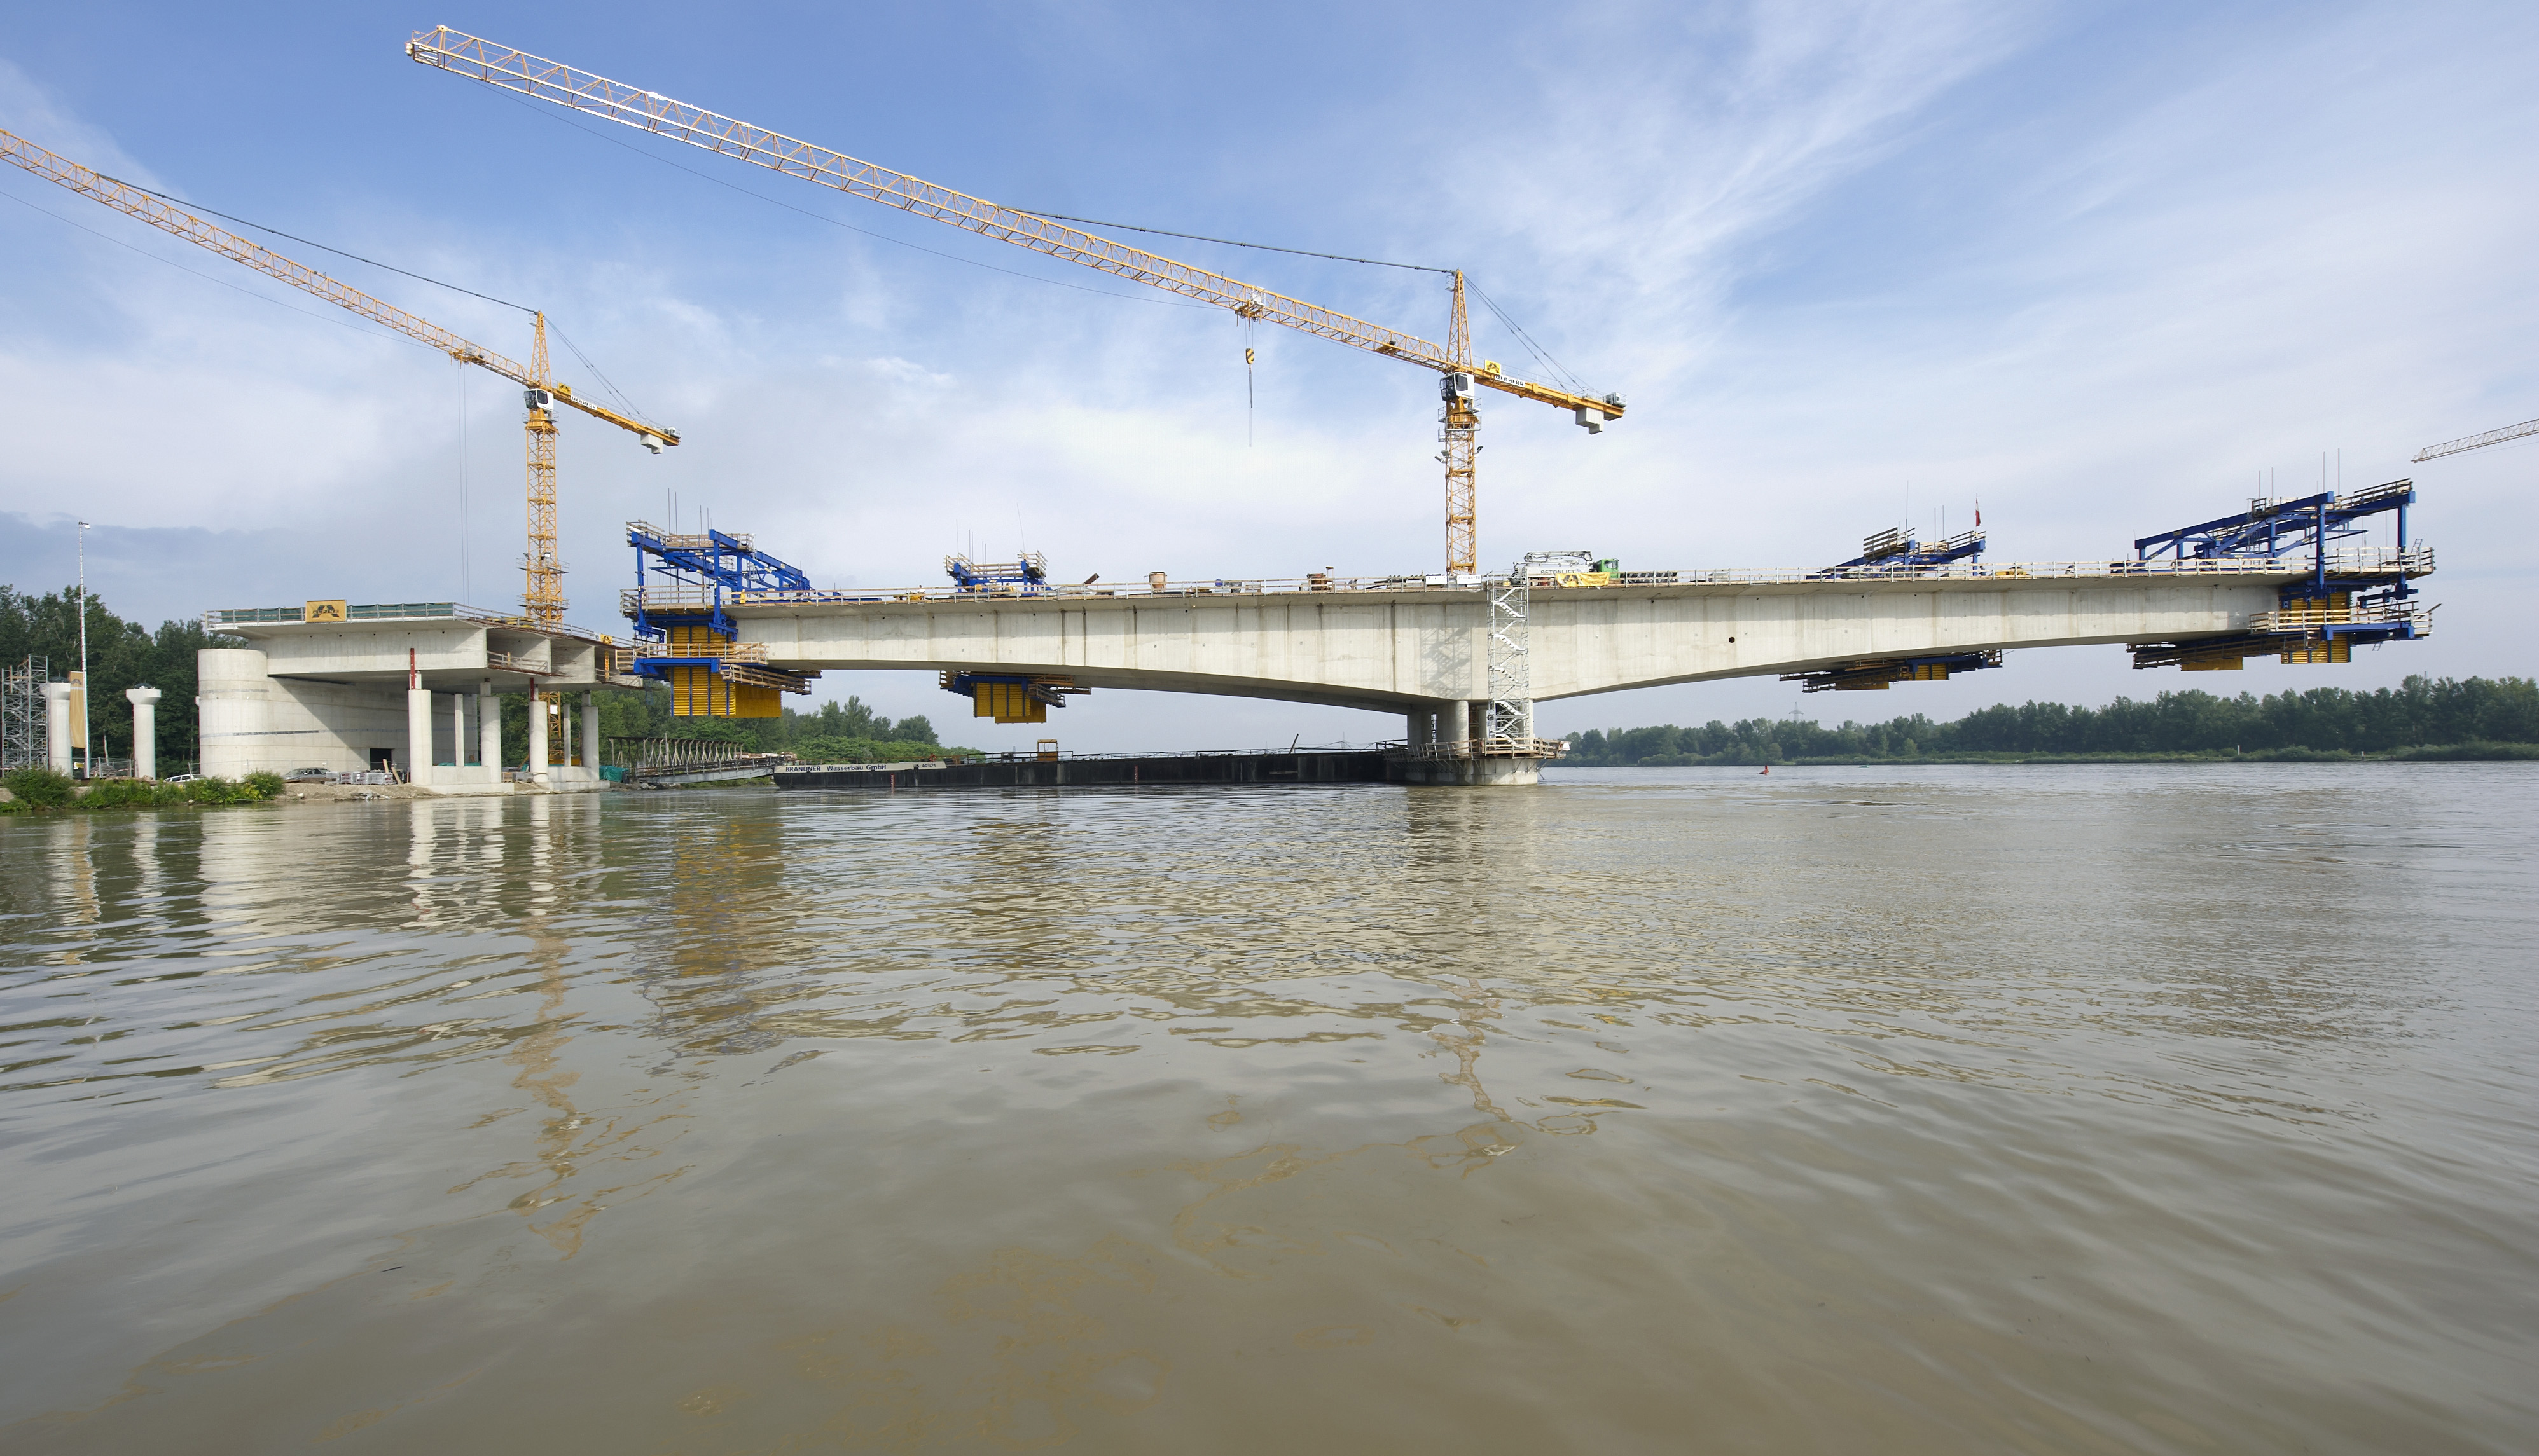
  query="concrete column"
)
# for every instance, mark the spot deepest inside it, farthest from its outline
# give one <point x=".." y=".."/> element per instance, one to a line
<point x="1476" y="721"/>
<point x="232" y="710"/>
<point x="418" y="735"/>
<point x="1454" y="725"/>
<point x="591" y="733"/>
<point x="539" y="709"/>
<point x="57" y="726"/>
<point x="1421" y="730"/>
<point x="489" y="728"/>
<point x="458" y="731"/>
<point x="144" y="731"/>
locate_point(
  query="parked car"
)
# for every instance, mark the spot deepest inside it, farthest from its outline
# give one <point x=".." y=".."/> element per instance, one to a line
<point x="310" y="775"/>
<point x="181" y="778"/>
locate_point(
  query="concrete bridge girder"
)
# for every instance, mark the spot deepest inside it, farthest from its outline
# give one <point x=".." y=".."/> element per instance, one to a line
<point x="1409" y="651"/>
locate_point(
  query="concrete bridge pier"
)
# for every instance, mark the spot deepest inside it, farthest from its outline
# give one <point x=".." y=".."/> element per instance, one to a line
<point x="418" y="737"/>
<point x="57" y="726"/>
<point x="144" y="731"/>
<point x="489" y="729"/>
<point x="539" y="708"/>
<point x="1464" y="772"/>
<point x="1437" y="750"/>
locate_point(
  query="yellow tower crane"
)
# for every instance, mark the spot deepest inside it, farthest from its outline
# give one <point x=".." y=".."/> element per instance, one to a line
<point x="579" y="91"/>
<point x="543" y="599"/>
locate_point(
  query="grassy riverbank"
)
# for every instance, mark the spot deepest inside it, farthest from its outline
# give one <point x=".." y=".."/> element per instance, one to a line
<point x="42" y="791"/>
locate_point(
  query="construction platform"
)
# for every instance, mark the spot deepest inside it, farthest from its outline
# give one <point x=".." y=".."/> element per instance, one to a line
<point x="1098" y="770"/>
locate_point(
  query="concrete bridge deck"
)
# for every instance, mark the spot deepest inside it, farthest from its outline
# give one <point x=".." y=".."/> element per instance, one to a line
<point x="1410" y="645"/>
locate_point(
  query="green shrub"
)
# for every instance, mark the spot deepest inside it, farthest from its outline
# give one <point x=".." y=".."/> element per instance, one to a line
<point x="267" y="785"/>
<point x="39" y="788"/>
<point x="120" y="793"/>
<point x="218" y="791"/>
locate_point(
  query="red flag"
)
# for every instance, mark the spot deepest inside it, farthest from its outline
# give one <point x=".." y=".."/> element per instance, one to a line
<point x="1979" y="515"/>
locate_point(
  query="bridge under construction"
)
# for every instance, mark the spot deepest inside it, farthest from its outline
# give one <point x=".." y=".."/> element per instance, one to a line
<point x="1462" y="660"/>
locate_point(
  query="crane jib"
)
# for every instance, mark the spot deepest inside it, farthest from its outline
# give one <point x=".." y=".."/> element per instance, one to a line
<point x="598" y="96"/>
<point x="168" y="218"/>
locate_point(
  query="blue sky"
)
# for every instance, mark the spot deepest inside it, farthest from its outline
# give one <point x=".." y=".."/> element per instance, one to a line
<point x="2097" y="266"/>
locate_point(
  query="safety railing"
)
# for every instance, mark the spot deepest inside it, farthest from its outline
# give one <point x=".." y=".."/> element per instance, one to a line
<point x="2304" y="619"/>
<point x="218" y="619"/>
<point x="512" y="662"/>
<point x="1488" y="748"/>
<point x="1319" y="584"/>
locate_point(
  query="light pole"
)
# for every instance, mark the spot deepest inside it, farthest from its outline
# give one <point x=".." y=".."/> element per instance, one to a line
<point x="88" y="745"/>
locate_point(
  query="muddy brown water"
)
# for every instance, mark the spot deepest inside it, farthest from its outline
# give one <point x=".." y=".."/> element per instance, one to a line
<point x="2164" y="1109"/>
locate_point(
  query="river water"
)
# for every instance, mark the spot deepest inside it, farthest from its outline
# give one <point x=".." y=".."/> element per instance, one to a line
<point x="2174" y="1109"/>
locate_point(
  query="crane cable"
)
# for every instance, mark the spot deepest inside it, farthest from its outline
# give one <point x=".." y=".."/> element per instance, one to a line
<point x="576" y="350"/>
<point x="1542" y="357"/>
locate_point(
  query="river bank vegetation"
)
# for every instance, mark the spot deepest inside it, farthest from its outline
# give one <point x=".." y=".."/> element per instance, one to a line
<point x="2483" y="719"/>
<point x="42" y="791"/>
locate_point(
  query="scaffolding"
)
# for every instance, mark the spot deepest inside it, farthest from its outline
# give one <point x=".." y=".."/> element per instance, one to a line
<point x="1510" y="717"/>
<point x="2345" y="598"/>
<point x="1895" y="551"/>
<point x="1507" y="726"/>
<point x="22" y="714"/>
<point x="683" y="637"/>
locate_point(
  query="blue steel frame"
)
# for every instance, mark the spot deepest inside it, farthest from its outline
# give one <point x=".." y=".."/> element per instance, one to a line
<point x="2289" y="527"/>
<point x="1028" y="573"/>
<point x="1914" y="556"/>
<point x="2272" y="530"/>
<point x="727" y="564"/>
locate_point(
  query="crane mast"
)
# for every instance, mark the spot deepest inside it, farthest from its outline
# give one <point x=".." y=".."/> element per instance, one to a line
<point x="1460" y="430"/>
<point x="542" y="600"/>
<point x="544" y="80"/>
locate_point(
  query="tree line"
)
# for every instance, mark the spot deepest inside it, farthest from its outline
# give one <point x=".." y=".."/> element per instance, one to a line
<point x="849" y="732"/>
<point x="2419" y="713"/>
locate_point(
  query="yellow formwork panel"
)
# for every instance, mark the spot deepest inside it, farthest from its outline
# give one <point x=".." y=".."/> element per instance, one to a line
<point x="754" y="701"/>
<point x="697" y="692"/>
<point x="1929" y="671"/>
<point x="1860" y="685"/>
<point x="2334" y="649"/>
<point x="1007" y="703"/>
<point x="2212" y="665"/>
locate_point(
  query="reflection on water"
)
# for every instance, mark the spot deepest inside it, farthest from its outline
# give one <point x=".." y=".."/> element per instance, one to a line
<point x="1945" y="1110"/>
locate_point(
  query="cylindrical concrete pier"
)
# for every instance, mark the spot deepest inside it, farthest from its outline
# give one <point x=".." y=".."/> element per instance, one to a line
<point x="57" y="726"/>
<point x="489" y="728"/>
<point x="591" y="732"/>
<point x="458" y="731"/>
<point x="418" y="735"/>
<point x="539" y="708"/>
<point x="235" y="712"/>
<point x="144" y="731"/>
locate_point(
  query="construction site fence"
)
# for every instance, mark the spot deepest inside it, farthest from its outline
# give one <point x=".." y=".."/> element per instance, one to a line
<point x="2415" y="562"/>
